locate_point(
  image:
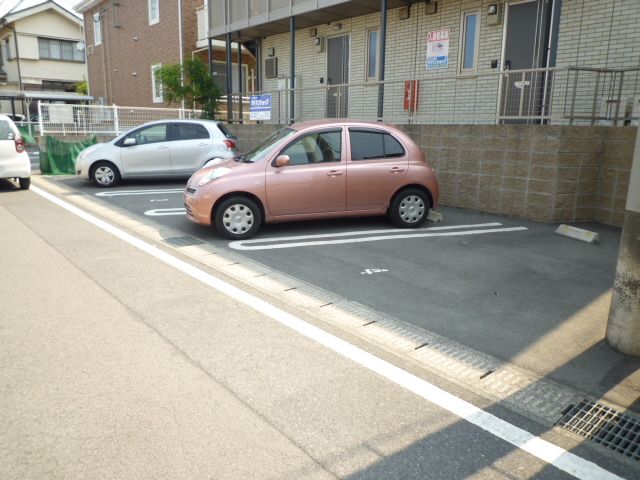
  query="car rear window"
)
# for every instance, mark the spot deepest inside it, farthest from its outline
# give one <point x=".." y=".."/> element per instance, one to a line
<point x="225" y="132"/>
<point x="5" y="130"/>
<point x="369" y="144"/>
<point x="189" y="131"/>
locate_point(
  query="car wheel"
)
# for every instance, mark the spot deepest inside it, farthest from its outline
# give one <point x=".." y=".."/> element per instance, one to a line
<point x="25" y="183"/>
<point x="238" y="218"/>
<point x="105" y="174"/>
<point x="409" y="208"/>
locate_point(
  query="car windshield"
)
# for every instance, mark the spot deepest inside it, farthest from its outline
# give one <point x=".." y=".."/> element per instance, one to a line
<point x="273" y="141"/>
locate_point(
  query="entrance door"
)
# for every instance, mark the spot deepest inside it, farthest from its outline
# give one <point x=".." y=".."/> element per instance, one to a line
<point x="526" y="38"/>
<point x="337" y="74"/>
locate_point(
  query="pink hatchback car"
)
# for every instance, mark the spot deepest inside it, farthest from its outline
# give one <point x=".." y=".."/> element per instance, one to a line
<point x="317" y="169"/>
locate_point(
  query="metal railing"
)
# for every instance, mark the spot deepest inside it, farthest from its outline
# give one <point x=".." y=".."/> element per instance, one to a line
<point x="555" y="95"/>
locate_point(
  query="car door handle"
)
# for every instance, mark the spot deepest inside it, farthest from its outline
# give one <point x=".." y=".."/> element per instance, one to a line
<point x="162" y="147"/>
<point x="396" y="169"/>
<point x="203" y="144"/>
<point x="334" y="173"/>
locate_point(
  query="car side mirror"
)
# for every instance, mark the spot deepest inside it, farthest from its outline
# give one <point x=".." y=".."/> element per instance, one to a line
<point x="129" y="141"/>
<point x="282" y="161"/>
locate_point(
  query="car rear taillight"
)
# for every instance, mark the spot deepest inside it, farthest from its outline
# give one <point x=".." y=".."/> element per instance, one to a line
<point x="19" y="145"/>
<point x="230" y="144"/>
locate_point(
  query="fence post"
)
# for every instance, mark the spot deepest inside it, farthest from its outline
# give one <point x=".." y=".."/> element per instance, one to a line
<point x="116" y="124"/>
<point x="615" y="123"/>
<point x="40" y="122"/>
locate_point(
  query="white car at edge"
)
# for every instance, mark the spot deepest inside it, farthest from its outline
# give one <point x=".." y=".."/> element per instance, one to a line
<point x="14" y="159"/>
<point x="160" y="149"/>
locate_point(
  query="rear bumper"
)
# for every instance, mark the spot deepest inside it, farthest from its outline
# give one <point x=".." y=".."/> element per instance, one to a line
<point x="19" y="167"/>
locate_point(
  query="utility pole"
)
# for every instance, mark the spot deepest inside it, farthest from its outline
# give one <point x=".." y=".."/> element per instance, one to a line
<point x="623" y="328"/>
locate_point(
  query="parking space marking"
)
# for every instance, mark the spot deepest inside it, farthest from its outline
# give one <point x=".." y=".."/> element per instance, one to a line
<point x="538" y="447"/>
<point x="122" y="193"/>
<point x="163" y="212"/>
<point x="243" y="244"/>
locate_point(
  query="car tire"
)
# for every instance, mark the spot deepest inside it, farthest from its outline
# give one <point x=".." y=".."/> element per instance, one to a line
<point x="409" y="208"/>
<point x="105" y="174"/>
<point x="237" y="218"/>
<point x="24" y="182"/>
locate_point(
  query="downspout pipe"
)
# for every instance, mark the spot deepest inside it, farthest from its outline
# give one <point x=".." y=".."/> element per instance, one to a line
<point x="383" y="48"/>
<point x="229" y="82"/>
<point x="292" y="74"/>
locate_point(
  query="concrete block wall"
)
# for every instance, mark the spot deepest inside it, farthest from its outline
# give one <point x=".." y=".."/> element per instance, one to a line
<point x="551" y="174"/>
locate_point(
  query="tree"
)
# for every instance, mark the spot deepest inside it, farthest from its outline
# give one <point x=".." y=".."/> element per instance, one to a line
<point x="82" y="88"/>
<point x="192" y="83"/>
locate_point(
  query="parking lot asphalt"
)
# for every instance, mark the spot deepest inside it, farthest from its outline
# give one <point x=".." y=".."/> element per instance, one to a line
<point x="509" y="288"/>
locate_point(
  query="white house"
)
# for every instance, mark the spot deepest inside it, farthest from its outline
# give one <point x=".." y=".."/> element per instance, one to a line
<point x="41" y="53"/>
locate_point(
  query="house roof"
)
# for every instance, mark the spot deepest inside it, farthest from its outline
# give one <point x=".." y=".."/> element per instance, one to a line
<point x="12" y="10"/>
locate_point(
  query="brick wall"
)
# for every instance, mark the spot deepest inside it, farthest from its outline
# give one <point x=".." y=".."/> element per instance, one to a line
<point x="550" y="174"/>
<point x="120" y="68"/>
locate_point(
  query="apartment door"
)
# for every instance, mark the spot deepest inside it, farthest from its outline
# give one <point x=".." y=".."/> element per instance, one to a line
<point x="337" y="74"/>
<point x="525" y="47"/>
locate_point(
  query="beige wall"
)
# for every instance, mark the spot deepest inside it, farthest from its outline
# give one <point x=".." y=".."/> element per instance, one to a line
<point x="550" y="174"/>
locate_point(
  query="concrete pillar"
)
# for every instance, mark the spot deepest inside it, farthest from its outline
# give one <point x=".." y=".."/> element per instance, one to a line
<point x="623" y="329"/>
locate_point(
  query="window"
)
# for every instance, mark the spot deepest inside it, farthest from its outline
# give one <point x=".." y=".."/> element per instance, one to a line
<point x="369" y="144"/>
<point x="154" y="12"/>
<point x="316" y="147"/>
<point x="6" y="133"/>
<point x="220" y="77"/>
<point x="52" y="49"/>
<point x="189" y="131"/>
<point x="156" y="84"/>
<point x="372" y="54"/>
<point x="469" y="46"/>
<point x="152" y="134"/>
<point x="97" y="29"/>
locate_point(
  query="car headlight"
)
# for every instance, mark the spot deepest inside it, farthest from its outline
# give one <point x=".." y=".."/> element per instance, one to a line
<point x="86" y="152"/>
<point x="213" y="174"/>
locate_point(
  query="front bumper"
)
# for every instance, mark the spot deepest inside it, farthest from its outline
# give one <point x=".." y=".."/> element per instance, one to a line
<point x="198" y="208"/>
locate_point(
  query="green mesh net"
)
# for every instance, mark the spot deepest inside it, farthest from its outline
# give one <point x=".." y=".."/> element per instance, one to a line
<point x="26" y="135"/>
<point x="60" y="157"/>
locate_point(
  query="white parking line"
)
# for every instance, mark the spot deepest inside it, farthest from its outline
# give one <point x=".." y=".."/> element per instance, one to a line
<point x="546" y="451"/>
<point x="122" y="193"/>
<point x="241" y="245"/>
<point x="163" y="212"/>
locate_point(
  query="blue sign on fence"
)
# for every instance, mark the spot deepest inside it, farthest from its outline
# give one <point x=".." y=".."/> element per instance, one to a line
<point x="260" y="107"/>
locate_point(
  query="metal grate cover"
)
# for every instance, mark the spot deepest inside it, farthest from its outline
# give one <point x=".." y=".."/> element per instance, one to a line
<point x="185" y="241"/>
<point x="604" y="425"/>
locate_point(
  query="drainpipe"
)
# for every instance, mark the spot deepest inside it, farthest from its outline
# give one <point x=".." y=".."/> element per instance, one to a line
<point x="623" y="328"/>
<point x="240" y="79"/>
<point x="292" y="75"/>
<point x="383" y="47"/>
<point x="180" y="47"/>
<point x="229" y="83"/>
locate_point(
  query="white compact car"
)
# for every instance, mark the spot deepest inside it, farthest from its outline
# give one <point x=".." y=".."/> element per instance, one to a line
<point x="14" y="159"/>
<point x="161" y="149"/>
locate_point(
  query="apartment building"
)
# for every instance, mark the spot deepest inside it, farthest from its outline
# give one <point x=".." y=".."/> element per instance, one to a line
<point x="127" y="41"/>
<point x="445" y="61"/>
<point x="41" y="54"/>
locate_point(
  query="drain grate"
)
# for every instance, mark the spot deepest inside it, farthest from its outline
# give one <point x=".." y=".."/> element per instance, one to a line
<point x="185" y="241"/>
<point x="604" y="425"/>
